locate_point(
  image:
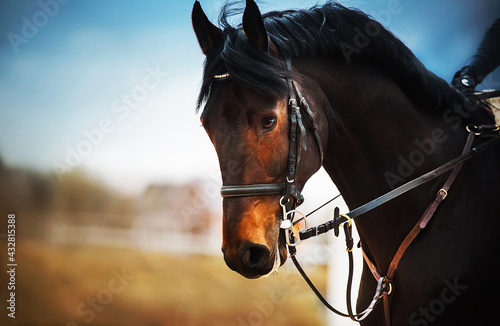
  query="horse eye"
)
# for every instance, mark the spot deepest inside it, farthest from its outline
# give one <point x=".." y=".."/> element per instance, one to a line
<point x="269" y="123"/>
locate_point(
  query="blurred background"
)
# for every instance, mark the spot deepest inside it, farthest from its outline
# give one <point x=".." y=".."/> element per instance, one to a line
<point x="115" y="185"/>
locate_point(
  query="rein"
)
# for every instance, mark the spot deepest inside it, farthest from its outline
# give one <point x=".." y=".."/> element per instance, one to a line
<point x="311" y="232"/>
<point x="385" y="283"/>
<point x="291" y="198"/>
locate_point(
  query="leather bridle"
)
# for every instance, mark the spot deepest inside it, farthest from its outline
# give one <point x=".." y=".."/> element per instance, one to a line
<point x="291" y="197"/>
<point x="290" y="194"/>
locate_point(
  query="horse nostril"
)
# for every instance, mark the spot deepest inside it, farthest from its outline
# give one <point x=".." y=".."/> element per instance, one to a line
<point x="255" y="255"/>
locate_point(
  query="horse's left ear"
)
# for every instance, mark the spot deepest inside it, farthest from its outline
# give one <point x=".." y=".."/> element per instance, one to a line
<point x="253" y="26"/>
<point x="207" y="33"/>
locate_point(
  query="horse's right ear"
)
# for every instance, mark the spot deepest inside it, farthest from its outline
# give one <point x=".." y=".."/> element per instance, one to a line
<point x="207" y="33"/>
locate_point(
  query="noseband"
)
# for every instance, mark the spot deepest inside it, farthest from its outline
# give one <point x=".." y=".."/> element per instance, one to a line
<point x="297" y="139"/>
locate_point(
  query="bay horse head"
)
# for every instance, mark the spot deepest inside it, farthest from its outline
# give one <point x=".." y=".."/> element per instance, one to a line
<point x="375" y="118"/>
<point x="268" y="139"/>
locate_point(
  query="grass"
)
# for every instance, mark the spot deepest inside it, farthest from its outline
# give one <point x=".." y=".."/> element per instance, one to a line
<point x="72" y="286"/>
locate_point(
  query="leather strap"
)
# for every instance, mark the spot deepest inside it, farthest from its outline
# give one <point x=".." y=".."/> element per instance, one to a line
<point x="384" y="284"/>
<point x="441" y="195"/>
<point x="295" y="127"/>
<point x="349" y="245"/>
<point x="308" y="233"/>
<point x="371" y="265"/>
<point x="310" y="115"/>
<point x="387" y="308"/>
<point x="443" y="192"/>
<point x="259" y="189"/>
<point x="420" y="225"/>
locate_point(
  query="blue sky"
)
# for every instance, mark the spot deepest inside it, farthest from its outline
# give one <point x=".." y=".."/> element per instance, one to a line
<point x="116" y="81"/>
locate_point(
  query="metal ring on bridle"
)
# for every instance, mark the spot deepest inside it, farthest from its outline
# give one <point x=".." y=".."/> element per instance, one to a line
<point x="390" y="288"/>
<point x="469" y="129"/>
<point x="287" y="229"/>
<point x="348" y="219"/>
<point x="303" y="216"/>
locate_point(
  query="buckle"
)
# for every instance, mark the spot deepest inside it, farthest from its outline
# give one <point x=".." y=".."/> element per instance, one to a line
<point x="444" y="192"/>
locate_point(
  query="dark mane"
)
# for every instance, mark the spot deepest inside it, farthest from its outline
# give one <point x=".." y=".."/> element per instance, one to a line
<point x="328" y="30"/>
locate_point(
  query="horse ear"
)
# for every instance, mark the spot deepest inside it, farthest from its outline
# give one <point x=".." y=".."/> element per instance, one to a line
<point x="253" y="26"/>
<point x="207" y="33"/>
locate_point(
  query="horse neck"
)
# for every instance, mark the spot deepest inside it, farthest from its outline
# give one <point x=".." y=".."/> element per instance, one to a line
<point x="378" y="140"/>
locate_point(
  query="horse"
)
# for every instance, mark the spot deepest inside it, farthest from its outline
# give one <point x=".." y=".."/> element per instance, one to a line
<point x="375" y="118"/>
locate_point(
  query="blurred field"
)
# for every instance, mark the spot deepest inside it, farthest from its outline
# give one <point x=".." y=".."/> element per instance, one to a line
<point x="78" y="278"/>
<point x="100" y="286"/>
